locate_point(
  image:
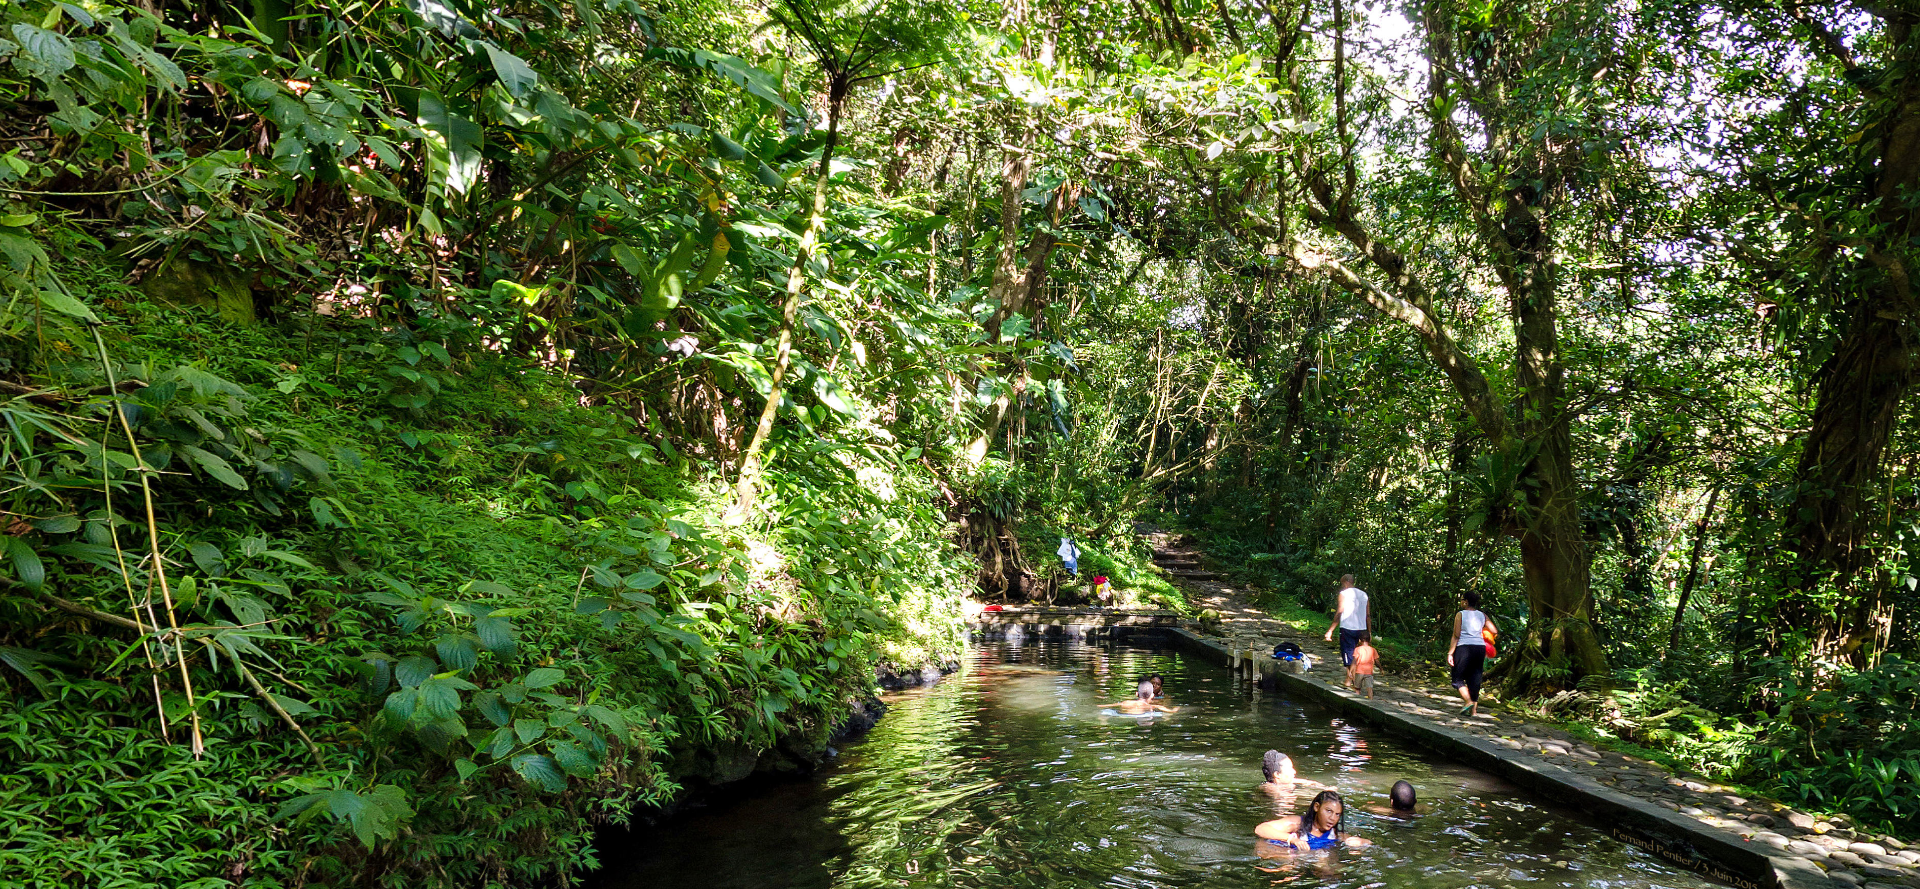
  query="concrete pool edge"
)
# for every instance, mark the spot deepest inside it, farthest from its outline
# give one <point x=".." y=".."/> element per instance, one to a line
<point x="1707" y="850"/>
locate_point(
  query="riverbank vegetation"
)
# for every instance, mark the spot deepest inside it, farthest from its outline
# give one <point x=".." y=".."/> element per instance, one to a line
<point x="435" y="429"/>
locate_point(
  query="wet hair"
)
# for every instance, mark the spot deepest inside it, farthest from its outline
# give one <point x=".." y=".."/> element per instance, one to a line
<point x="1144" y="691"/>
<point x="1473" y="599"/>
<point x="1402" y="796"/>
<point x="1312" y="818"/>
<point x="1273" y="763"/>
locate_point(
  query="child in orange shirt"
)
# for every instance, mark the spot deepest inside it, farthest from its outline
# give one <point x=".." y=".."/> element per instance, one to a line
<point x="1360" y="675"/>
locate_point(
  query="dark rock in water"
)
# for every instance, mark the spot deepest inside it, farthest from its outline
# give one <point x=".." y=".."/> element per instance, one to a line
<point x="723" y="764"/>
<point x="861" y="716"/>
<point x="795" y="755"/>
<point x="893" y="679"/>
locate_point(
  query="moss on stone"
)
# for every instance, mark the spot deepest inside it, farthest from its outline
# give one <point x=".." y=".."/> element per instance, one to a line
<point x="186" y="284"/>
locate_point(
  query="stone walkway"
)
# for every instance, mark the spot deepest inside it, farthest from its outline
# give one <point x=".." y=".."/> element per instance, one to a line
<point x="1849" y="857"/>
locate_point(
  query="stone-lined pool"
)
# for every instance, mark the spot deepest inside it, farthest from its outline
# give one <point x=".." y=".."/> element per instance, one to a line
<point x="1008" y="774"/>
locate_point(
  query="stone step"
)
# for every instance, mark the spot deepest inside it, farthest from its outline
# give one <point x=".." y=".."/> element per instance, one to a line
<point x="1194" y="575"/>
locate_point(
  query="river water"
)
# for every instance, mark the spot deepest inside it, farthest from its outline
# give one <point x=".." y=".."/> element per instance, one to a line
<point x="1008" y="774"/>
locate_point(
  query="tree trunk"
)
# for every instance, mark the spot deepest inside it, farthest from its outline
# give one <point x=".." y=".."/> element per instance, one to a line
<point x="1556" y="563"/>
<point x="1873" y="368"/>
<point x="1693" y="569"/>
<point x="1019" y="281"/>
<point x="1004" y="293"/>
<point x="746" y="488"/>
<point x="1553" y="545"/>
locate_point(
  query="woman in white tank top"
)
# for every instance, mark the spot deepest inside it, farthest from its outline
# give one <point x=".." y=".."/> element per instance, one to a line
<point x="1468" y="653"/>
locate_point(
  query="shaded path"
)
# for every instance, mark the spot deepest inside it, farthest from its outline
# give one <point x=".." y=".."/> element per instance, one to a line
<point x="1849" y="858"/>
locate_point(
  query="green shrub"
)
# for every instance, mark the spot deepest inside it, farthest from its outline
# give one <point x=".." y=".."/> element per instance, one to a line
<point x="497" y="613"/>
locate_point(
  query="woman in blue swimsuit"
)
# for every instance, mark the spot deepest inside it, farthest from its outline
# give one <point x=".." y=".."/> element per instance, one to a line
<point x="1322" y="827"/>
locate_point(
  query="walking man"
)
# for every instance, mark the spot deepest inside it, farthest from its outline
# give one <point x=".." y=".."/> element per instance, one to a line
<point x="1350" y="617"/>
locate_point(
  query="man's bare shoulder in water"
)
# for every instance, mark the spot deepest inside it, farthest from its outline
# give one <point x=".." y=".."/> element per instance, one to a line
<point x="1281" y="782"/>
<point x="1142" y="702"/>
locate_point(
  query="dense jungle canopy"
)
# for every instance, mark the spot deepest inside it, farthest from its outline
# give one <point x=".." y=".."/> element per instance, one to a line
<point x="436" y="428"/>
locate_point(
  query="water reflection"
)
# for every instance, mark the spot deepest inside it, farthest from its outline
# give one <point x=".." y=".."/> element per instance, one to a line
<point x="1008" y="775"/>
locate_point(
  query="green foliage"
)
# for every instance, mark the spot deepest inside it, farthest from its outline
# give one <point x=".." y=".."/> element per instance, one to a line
<point x="1848" y="741"/>
<point x="502" y="289"/>
<point x="476" y="607"/>
<point x="1128" y="563"/>
<point x="96" y="798"/>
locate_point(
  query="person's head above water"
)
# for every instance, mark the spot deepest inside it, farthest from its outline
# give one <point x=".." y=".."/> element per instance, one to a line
<point x="1472" y="598"/>
<point x="1276" y="766"/>
<point x="1326" y="812"/>
<point x="1144" y="691"/>
<point x="1402" y="796"/>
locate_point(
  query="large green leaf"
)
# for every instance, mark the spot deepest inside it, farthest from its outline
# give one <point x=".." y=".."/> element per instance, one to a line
<point x="756" y="82"/>
<point x="27" y="566"/>
<point x="492" y="707"/>
<point x="414" y="670"/>
<point x="458" y="147"/>
<point x="496" y="634"/>
<point x="402" y="704"/>
<point x="26" y="662"/>
<point x="374" y="816"/>
<point x="220" y="469"/>
<point x="440" y="696"/>
<point x="457" y="651"/>
<point x="66" y="305"/>
<point x="540" y="771"/>
<point x="45" y="54"/>
<point x="515" y="74"/>
<point x="834" y="395"/>
<point x="613" y="721"/>
<point x="576" y="761"/>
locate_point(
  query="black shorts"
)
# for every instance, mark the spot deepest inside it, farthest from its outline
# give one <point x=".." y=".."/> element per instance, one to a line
<point x="1469" y="663"/>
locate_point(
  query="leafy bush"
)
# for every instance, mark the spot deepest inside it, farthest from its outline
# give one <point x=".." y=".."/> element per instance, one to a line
<point x="1845" y="740"/>
<point x="438" y="654"/>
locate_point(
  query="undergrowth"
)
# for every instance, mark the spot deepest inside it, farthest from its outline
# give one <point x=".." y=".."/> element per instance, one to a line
<point x="498" y="614"/>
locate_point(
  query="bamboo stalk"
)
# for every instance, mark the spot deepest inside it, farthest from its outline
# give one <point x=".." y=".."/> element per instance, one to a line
<point x="267" y="696"/>
<point x="159" y="567"/>
<point x="120" y="555"/>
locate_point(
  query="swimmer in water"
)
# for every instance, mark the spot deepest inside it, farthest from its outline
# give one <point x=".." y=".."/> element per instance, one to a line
<point x="1159" y="691"/>
<point x="1281" y="781"/>
<point x="1142" y="702"/>
<point x="1401" y="802"/>
<point x="1322" y="827"/>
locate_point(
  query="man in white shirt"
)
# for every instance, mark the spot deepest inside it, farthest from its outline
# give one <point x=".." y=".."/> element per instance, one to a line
<point x="1351" y="617"/>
